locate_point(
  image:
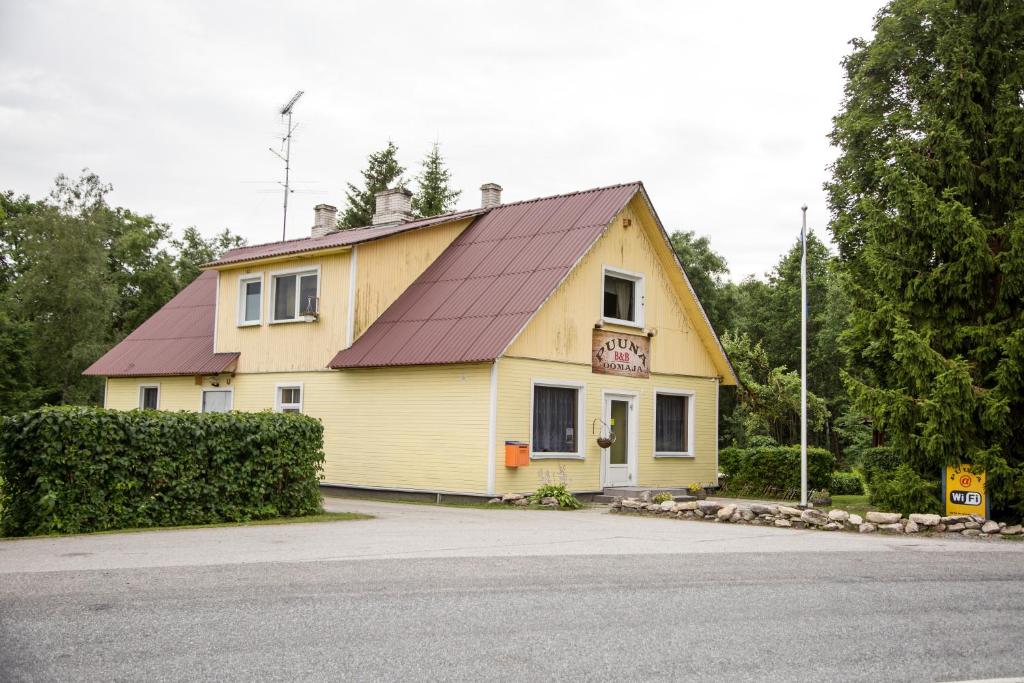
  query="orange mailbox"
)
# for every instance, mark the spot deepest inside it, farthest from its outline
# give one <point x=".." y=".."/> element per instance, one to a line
<point x="517" y="454"/>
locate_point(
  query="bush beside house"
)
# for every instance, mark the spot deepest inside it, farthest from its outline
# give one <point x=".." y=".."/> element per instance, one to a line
<point x="75" y="469"/>
<point x="775" y="467"/>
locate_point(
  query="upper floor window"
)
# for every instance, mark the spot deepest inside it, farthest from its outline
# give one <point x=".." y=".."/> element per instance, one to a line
<point x="623" y="297"/>
<point x="289" y="399"/>
<point x="294" y="296"/>
<point x="250" y="300"/>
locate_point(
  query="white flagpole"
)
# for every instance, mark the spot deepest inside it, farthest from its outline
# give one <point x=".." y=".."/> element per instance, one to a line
<point x="803" y="359"/>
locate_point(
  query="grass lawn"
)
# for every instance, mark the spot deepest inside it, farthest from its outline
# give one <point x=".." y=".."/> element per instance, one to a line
<point x="321" y="517"/>
<point x="857" y="505"/>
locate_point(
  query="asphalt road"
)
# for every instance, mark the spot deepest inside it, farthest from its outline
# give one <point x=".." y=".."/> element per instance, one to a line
<point x="886" y="611"/>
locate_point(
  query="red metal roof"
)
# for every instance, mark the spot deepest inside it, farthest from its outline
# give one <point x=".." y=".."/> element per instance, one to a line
<point x="474" y="299"/>
<point x="176" y="340"/>
<point x="342" y="238"/>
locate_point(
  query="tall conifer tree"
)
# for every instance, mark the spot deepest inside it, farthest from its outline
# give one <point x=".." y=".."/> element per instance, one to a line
<point x="382" y="171"/>
<point x="928" y="214"/>
<point x="435" y="194"/>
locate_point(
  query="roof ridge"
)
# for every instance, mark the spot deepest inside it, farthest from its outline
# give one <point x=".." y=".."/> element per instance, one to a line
<point x="348" y="230"/>
<point x="638" y="183"/>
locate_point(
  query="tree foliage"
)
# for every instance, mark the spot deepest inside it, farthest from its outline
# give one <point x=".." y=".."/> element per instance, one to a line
<point x="381" y="173"/>
<point x="76" y="276"/>
<point x="708" y="273"/>
<point x="435" y="195"/>
<point x="928" y="203"/>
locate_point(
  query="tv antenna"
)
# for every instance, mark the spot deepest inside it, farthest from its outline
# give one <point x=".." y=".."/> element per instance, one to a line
<point x="286" y="145"/>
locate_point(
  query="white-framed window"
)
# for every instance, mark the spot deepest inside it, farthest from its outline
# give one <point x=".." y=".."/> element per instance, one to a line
<point x="622" y="301"/>
<point x="250" y="300"/>
<point x="149" y="396"/>
<point x="288" y="398"/>
<point x="556" y="419"/>
<point x="673" y="423"/>
<point x="294" y="294"/>
<point x="216" y="400"/>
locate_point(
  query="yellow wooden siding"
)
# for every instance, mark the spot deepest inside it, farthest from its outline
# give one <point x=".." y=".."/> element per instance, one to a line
<point x="291" y="346"/>
<point x="385" y="268"/>
<point x="563" y="328"/>
<point x="176" y="393"/>
<point x="421" y="428"/>
<point x="515" y="386"/>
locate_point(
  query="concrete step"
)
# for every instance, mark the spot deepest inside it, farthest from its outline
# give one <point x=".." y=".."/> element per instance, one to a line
<point x="612" y="492"/>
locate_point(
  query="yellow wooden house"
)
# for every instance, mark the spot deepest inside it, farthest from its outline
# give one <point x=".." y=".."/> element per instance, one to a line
<point x="477" y="352"/>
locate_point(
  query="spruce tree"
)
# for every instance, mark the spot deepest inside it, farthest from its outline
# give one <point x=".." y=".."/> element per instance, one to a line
<point x="382" y="172"/>
<point x="435" y="195"/>
<point x="927" y="198"/>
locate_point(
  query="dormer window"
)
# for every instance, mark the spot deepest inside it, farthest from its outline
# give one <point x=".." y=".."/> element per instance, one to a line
<point x="250" y="300"/>
<point x="623" y="302"/>
<point x="295" y="296"/>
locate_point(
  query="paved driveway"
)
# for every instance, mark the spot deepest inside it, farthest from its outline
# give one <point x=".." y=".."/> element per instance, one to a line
<point x="429" y="593"/>
<point x="425" y="531"/>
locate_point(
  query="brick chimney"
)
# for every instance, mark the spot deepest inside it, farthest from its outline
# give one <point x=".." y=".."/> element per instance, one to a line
<point x="393" y="206"/>
<point x="490" y="195"/>
<point x="325" y="220"/>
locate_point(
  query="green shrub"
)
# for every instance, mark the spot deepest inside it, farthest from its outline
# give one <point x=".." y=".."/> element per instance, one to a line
<point x="662" y="497"/>
<point x="905" y="491"/>
<point x="74" y="469"/>
<point x="776" y="467"/>
<point x="846" y="484"/>
<point x="881" y="460"/>
<point x="560" y="493"/>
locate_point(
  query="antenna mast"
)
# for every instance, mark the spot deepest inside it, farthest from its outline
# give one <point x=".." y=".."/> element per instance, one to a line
<point x="286" y="144"/>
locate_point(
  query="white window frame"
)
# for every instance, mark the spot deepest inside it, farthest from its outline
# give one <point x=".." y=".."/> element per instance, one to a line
<point x="142" y="394"/>
<point x="278" y="406"/>
<point x="242" y="282"/>
<point x="638" y="296"/>
<point x="229" y="390"/>
<point x="691" y="405"/>
<point x="581" y="400"/>
<point x="298" y="272"/>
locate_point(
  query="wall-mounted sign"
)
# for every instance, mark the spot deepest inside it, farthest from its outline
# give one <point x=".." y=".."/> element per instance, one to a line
<point x="615" y="353"/>
<point x="964" y="491"/>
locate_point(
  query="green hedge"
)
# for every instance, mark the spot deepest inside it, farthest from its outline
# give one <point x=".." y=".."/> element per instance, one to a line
<point x="74" y="469"/>
<point x="846" y="484"/>
<point x="776" y="467"/>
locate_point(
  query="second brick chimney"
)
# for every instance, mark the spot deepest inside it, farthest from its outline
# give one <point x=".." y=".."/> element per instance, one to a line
<point x="393" y="206"/>
<point x="490" y="195"/>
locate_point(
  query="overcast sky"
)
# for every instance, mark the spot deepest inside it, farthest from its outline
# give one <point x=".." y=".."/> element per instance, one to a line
<point x="721" y="109"/>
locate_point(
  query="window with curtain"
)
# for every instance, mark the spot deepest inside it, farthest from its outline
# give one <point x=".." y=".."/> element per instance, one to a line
<point x="149" y="398"/>
<point x="251" y="301"/>
<point x="555" y="413"/>
<point x="670" y="424"/>
<point x="619" y="298"/>
<point x="294" y="295"/>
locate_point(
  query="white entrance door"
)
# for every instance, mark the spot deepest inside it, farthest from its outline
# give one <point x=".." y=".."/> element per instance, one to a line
<point x="619" y="459"/>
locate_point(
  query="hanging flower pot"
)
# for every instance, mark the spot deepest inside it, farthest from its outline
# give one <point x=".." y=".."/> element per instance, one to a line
<point x="606" y="441"/>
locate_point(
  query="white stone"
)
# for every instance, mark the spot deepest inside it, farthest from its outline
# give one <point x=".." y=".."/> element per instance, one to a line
<point x="789" y="512"/>
<point x="971" y="532"/>
<point x="726" y="512"/>
<point x="783" y="522"/>
<point x="911" y="527"/>
<point x="893" y="528"/>
<point x="925" y="519"/>
<point x="512" y="497"/>
<point x="866" y="528"/>
<point x="1013" y="530"/>
<point x="708" y="507"/>
<point x="689" y="505"/>
<point x="883" y="517"/>
<point x="668" y="506"/>
<point x="955" y="527"/>
<point x="815" y="517"/>
<point x="990" y="527"/>
<point x="838" y="515"/>
<point x="856" y="519"/>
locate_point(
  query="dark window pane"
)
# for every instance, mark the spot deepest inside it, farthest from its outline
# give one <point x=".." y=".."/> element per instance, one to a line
<point x="554" y="420"/>
<point x="252" y="301"/>
<point x="284" y="298"/>
<point x="670" y="424"/>
<point x="307" y="293"/>
<point x="618" y="298"/>
<point x="150" y="398"/>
